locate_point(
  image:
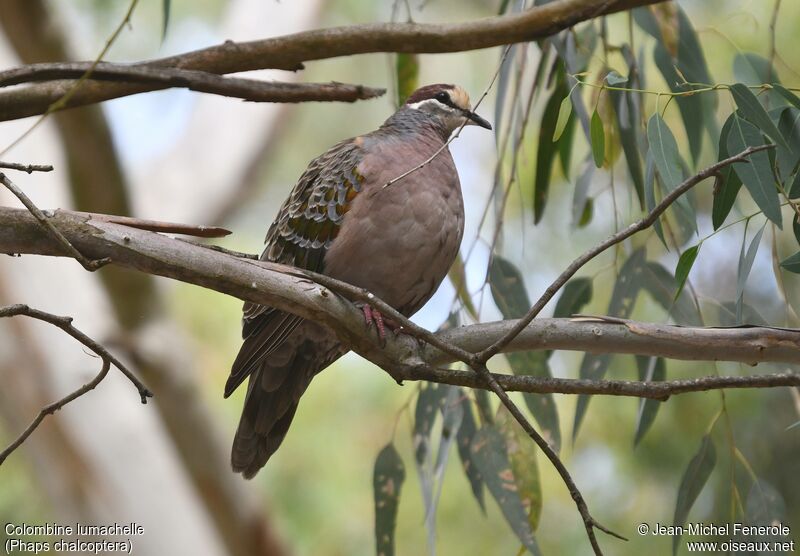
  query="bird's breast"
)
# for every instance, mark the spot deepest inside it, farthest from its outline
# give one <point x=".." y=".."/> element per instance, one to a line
<point x="399" y="241"/>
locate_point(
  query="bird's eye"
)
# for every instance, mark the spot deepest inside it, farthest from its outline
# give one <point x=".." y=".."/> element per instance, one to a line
<point x="443" y="97"/>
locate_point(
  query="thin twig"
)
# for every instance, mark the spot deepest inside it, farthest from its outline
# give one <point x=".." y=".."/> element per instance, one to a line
<point x="203" y="82"/>
<point x="156" y="225"/>
<point x="29" y="168"/>
<point x="616" y="238"/>
<point x="65" y="324"/>
<point x="90" y="265"/>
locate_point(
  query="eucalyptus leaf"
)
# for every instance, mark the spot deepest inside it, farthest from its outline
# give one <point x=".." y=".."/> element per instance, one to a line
<point x="746" y="264"/>
<point x="546" y="149"/>
<point x="407" y="74"/>
<point x="788" y="95"/>
<point x="665" y="151"/>
<point x="792" y="264"/>
<point x="574" y="296"/>
<point x="458" y="277"/>
<point x="387" y="482"/>
<point x="510" y="296"/>
<point x="751" y="109"/>
<point x="729" y="184"/>
<point x="598" y="139"/>
<point x="489" y="455"/>
<point x="564" y="112"/>
<point x="166" y="8"/>
<point x="626" y="290"/>
<point x="651" y="369"/>
<point x="694" y="479"/>
<point x="685" y="263"/>
<point x="756" y="174"/>
<point x="521" y="452"/>
<point x="466" y="432"/>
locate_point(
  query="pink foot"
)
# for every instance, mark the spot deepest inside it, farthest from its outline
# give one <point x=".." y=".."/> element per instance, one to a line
<point x="374" y="316"/>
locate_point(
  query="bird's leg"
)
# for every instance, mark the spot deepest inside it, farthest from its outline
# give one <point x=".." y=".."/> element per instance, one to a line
<point x="374" y="316"/>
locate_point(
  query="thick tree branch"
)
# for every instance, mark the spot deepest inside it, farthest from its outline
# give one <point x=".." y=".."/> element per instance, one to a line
<point x="200" y="81"/>
<point x="290" y="51"/>
<point x="294" y="291"/>
<point x="65" y="324"/>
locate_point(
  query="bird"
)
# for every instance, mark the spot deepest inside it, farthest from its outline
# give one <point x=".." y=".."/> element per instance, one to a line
<point x="350" y="218"/>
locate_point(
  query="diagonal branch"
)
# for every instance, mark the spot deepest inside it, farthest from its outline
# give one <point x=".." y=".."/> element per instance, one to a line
<point x="65" y="324"/>
<point x="290" y="51"/>
<point x="619" y="237"/>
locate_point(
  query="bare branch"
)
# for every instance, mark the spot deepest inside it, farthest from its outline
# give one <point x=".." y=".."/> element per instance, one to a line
<point x="29" y="168"/>
<point x="619" y="237"/>
<point x="158" y="225"/>
<point x="312" y="296"/>
<point x="200" y="81"/>
<point x="65" y="324"/>
<point x="290" y="51"/>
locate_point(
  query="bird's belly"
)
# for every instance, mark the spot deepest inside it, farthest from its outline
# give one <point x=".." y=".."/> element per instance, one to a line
<point x="403" y="247"/>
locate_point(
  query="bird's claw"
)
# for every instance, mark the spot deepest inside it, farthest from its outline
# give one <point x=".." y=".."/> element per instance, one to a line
<point x="374" y="316"/>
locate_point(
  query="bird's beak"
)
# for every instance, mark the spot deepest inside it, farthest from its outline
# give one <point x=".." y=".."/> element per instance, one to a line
<point x="474" y="119"/>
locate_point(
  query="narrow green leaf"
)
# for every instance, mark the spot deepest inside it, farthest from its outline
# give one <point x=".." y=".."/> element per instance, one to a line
<point x="661" y="285"/>
<point x="564" y="112"/>
<point x="685" y="263"/>
<point x="650" y="194"/>
<point x="598" y="139"/>
<point x="522" y="457"/>
<point x="458" y="277"/>
<point x="489" y="454"/>
<point x="166" y="6"/>
<point x="466" y="432"/>
<point x="581" y="195"/>
<point x="503" y="81"/>
<point x="751" y="69"/>
<point x="691" y="107"/>
<point x="757" y="173"/>
<point x="565" y="144"/>
<point x="387" y="481"/>
<point x="746" y="262"/>
<point x="789" y="126"/>
<point x="694" y="479"/>
<point x="729" y="184"/>
<point x="541" y="406"/>
<point x="546" y="149"/>
<point x="752" y="110"/>
<point x="665" y="152"/>
<point x="627" y="113"/>
<point x="623" y="298"/>
<point x="510" y="296"/>
<point x="508" y="288"/>
<point x="651" y="369"/>
<point x="613" y="78"/>
<point x="788" y="95"/>
<point x="429" y="402"/>
<point x="407" y="72"/>
<point x="794" y="190"/>
<point x="796" y="228"/>
<point x="792" y="264"/>
<point x="574" y="295"/>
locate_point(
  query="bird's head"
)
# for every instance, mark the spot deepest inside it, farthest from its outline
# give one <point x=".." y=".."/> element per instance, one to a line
<point x="448" y="103"/>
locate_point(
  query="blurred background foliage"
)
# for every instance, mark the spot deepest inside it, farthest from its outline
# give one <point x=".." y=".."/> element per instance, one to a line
<point x="318" y="487"/>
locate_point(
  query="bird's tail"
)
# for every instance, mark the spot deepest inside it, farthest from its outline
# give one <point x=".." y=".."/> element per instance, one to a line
<point x="265" y="420"/>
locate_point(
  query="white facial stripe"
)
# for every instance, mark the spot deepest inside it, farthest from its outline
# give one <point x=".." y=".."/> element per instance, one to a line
<point x="430" y="102"/>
